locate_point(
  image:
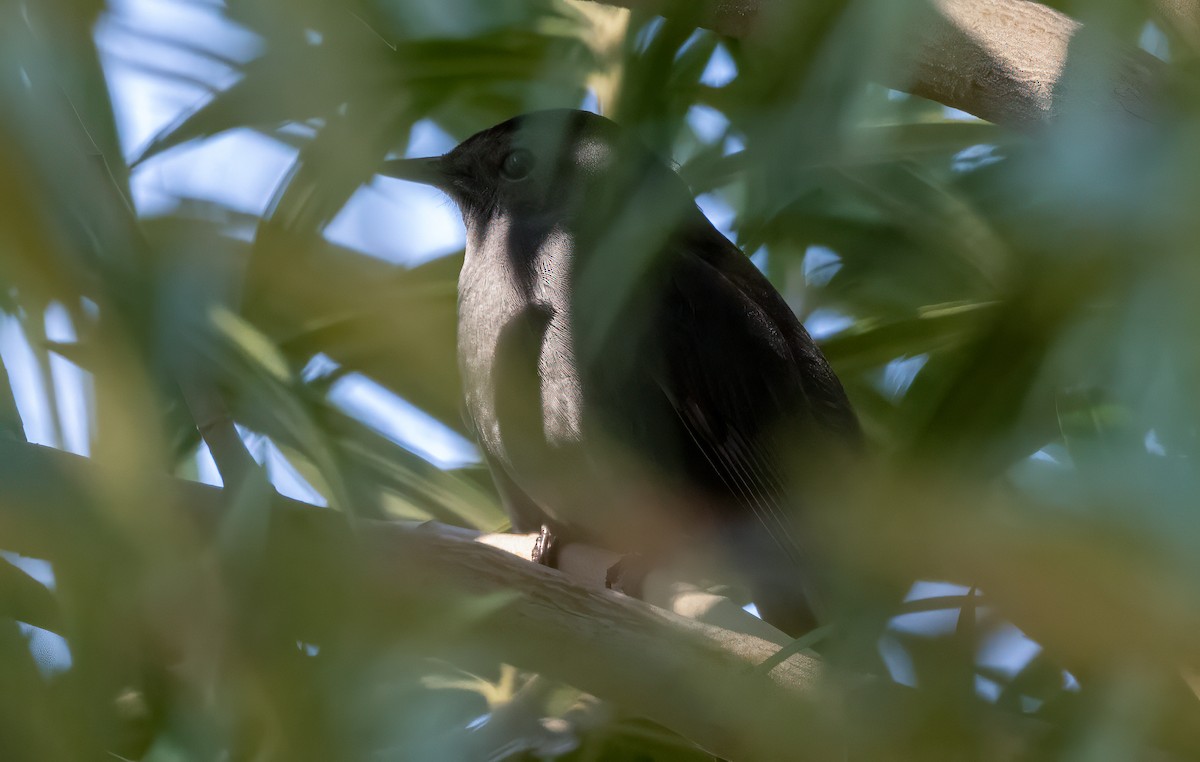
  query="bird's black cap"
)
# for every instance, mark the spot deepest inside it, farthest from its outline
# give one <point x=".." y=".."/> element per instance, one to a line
<point x="540" y="164"/>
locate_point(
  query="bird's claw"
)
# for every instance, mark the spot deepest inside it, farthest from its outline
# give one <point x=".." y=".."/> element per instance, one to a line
<point x="545" y="548"/>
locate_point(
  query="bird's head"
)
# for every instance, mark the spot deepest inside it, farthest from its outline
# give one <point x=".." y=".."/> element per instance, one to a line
<point x="542" y="169"/>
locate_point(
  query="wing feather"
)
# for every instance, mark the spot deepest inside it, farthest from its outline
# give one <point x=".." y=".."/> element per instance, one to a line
<point x="745" y="382"/>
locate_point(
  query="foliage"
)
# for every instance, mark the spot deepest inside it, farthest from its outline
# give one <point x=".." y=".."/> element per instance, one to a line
<point x="1012" y="315"/>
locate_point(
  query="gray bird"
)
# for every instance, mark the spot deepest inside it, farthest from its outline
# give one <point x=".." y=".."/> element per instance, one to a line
<point x="633" y="380"/>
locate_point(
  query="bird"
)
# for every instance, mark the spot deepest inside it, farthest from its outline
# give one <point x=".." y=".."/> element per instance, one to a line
<point x="633" y="380"/>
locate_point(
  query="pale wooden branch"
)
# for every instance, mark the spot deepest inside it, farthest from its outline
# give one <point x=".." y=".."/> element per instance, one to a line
<point x="1022" y="64"/>
<point x="661" y="587"/>
<point x="1012" y="62"/>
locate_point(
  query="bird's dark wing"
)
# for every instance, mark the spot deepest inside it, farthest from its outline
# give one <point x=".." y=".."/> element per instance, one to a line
<point x="728" y="376"/>
<point x="832" y="417"/>
<point x="742" y="391"/>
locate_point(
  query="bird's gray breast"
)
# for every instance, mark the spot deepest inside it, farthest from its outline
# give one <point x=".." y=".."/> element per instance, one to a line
<point x="516" y="352"/>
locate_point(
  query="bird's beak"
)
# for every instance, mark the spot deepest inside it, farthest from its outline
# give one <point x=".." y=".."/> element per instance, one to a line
<point x="429" y="171"/>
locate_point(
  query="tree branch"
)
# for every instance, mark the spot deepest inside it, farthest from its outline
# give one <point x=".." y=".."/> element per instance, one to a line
<point x="648" y="661"/>
<point x="661" y="587"/>
<point x="1022" y="64"/>
<point x="1012" y="62"/>
<point x="323" y="578"/>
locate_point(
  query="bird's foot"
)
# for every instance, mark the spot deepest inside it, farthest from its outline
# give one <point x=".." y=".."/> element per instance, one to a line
<point x="627" y="575"/>
<point x="545" y="548"/>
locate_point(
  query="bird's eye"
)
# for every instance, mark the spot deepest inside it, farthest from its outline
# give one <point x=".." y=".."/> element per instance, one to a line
<point x="517" y="165"/>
